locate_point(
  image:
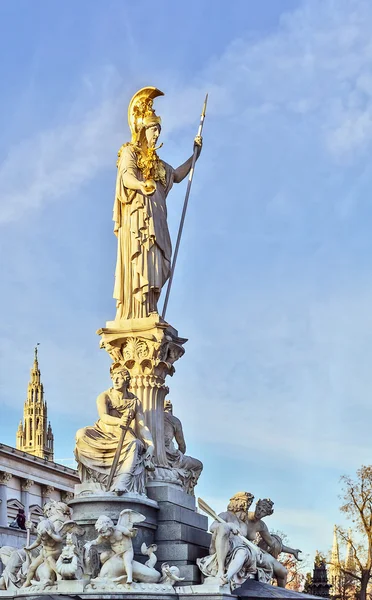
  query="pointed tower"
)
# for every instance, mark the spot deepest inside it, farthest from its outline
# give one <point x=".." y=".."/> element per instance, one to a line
<point x="34" y="435"/>
<point x="334" y="570"/>
<point x="350" y="558"/>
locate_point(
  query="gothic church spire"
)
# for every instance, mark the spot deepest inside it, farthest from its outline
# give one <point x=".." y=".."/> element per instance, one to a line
<point x="34" y="435"/>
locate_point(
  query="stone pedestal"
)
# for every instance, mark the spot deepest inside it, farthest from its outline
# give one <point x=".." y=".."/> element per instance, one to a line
<point x="87" y="509"/>
<point x="182" y="533"/>
<point x="148" y="348"/>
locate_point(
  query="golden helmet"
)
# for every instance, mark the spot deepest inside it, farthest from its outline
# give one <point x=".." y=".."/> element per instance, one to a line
<point x="140" y="111"/>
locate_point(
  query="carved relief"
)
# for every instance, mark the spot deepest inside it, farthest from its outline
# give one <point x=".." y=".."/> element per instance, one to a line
<point x="5" y="477"/>
<point x="26" y="485"/>
<point x="47" y="491"/>
<point x="135" y="349"/>
<point x="67" y="496"/>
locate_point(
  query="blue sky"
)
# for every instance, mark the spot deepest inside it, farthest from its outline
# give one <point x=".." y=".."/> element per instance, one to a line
<point x="273" y="283"/>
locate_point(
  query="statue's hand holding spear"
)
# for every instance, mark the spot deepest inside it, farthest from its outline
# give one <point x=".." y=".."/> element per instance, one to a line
<point x="198" y="145"/>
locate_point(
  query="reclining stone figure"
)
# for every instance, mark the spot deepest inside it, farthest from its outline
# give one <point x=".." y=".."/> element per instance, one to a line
<point x="231" y="559"/>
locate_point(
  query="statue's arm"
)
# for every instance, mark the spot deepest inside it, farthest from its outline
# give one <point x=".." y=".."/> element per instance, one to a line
<point x="142" y="428"/>
<point x="102" y="408"/>
<point x="128" y="169"/>
<point x="35" y="544"/>
<point x="96" y="542"/>
<point x="293" y="551"/>
<point x="264" y="533"/>
<point x="183" y="170"/>
<point x="180" y="439"/>
<point x="55" y="537"/>
<point x="124" y="530"/>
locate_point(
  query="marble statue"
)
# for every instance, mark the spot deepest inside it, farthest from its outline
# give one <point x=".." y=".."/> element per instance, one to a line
<point x="17" y="561"/>
<point x="188" y="468"/>
<point x="12" y="559"/>
<point x="96" y="445"/>
<point x="277" y="547"/>
<point x="118" y="563"/>
<point x="231" y="559"/>
<point x="68" y="565"/>
<point x="51" y="548"/>
<point x="140" y="212"/>
<point x="58" y="513"/>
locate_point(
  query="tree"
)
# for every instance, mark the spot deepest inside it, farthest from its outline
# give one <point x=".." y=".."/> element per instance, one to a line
<point x="357" y="497"/>
<point x="296" y="569"/>
<point x="296" y="575"/>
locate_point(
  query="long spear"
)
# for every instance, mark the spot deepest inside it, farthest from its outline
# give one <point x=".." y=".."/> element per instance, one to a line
<point x="114" y="466"/>
<point x="191" y="174"/>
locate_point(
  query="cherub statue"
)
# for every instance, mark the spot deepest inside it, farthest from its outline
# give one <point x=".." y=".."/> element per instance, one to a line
<point x="17" y="560"/>
<point x="51" y="547"/>
<point x="120" y="539"/>
<point x="117" y="563"/>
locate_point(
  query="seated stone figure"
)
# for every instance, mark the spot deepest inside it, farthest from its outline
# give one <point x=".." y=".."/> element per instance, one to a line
<point x="188" y="468"/>
<point x="96" y="445"/>
<point x="234" y="561"/>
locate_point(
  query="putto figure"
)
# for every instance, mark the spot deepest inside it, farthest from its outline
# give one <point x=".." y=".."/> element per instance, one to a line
<point x="96" y="446"/>
<point x="140" y="212"/>
<point x="188" y="468"/>
<point x="118" y="563"/>
<point x="51" y="548"/>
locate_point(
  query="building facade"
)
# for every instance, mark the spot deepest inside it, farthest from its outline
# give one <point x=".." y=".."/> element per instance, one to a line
<point x="28" y="476"/>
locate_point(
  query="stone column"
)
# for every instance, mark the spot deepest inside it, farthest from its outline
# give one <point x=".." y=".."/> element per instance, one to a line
<point x="46" y="493"/>
<point x="4" y="478"/>
<point x="148" y="348"/>
<point x="26" y="484"/>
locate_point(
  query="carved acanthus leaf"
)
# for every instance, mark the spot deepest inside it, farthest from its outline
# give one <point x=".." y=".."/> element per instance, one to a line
<point x="135" y="349"/>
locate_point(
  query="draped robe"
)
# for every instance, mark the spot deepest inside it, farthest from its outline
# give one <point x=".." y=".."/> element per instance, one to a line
<point x="144" y="246"/>
<point x="96" y="446"/>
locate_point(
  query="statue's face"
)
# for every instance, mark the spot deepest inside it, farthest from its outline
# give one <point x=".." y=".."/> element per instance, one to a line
<point x="262" y="511"/>
<point x="168" y="406"/>
<point x="152" y="134"/>
<point x="119" y="380"/>
<point x="106" y="531"/>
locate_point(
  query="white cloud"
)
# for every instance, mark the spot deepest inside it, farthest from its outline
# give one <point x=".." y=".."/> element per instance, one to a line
<point x="296" y="380"/>
<point x="57" y="161"/>
<point x="313" y="74"/>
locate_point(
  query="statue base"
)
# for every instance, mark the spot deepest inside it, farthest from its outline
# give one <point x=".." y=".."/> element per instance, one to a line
<point x="172" y="523"/>
<point x="73" y="590"/>
<point x="87" y="509"/>
<point x="182" y="533"/>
